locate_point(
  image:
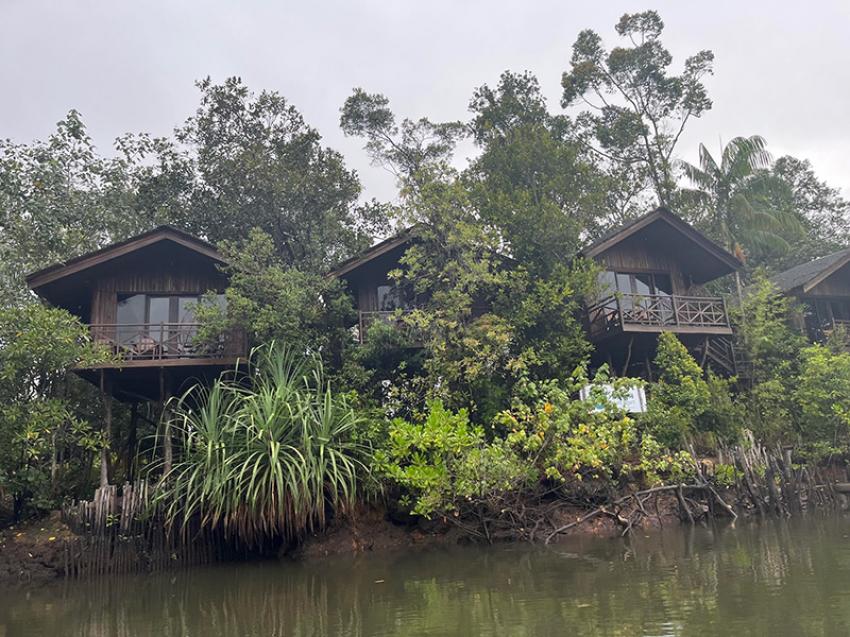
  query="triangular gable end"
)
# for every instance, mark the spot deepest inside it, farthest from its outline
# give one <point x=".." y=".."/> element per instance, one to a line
<point x="827" y="272"/>
<point x="113" y="251"/>
<point x="670" y="235"/>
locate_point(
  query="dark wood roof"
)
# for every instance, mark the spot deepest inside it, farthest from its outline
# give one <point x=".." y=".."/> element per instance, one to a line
<point x="807" y="275"/>
<point x="382" y="247"/>
<point x="83" y="262"/>
<point x="716" y="261"/>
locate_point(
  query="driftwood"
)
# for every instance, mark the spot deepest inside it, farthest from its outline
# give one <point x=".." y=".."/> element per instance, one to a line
<point x="639" y="499"/>
<point x="767" y="481"/>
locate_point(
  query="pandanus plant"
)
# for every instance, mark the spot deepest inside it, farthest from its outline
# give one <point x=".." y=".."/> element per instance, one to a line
<point x="268" y="454"/>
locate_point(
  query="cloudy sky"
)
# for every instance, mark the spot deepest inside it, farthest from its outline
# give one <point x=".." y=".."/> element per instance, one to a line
<point x="782" y="68"/>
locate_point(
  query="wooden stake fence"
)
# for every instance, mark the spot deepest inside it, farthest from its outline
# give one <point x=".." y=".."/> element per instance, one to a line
<point x="122" y="534"/>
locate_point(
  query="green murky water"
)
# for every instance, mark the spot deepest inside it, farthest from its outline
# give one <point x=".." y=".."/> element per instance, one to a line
<point x="775" y="579"/>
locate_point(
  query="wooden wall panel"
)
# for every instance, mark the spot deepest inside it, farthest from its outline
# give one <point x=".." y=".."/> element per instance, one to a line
<point x="642" y="259"/>
<point x="836" y="285"/>
<point x="105" y="290"/>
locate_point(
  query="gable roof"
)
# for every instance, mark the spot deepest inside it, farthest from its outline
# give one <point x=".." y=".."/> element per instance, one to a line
<point x="382" y="247"/>
<point x="807" y="275"/>
<point x="722" y="261"/>
<point x="83" y="262"/>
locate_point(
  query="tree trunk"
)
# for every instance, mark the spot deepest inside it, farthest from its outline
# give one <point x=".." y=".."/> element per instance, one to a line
<point x="739" y="287"/>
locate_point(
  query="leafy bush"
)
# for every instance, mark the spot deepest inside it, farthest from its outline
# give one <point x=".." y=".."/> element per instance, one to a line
<point x="571" y="441"/>
<point x="545" y="443"/>
<point x="443" y="462"/>
<point x="822" y="397"/>
<point x="38" y="423"/>
<point x="724" y="413"/>
<point x="679" y="396"/>
<point x="763" y="331"/>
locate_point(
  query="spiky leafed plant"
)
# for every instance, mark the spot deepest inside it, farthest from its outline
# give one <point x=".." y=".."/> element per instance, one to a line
<point x="267" y="457"/>
<point x="725" y="201"/>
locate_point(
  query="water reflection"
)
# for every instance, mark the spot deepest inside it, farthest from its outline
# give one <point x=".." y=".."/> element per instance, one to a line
<point x="774" y="579"/>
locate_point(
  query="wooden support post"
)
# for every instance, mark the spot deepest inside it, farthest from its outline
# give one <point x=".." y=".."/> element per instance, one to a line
<point x="165" y="419"/>
<point x="704" y="353"/>
<point x="628" y="357"/>
<point x="106" y="394"/>
<point x="132" y="442"/>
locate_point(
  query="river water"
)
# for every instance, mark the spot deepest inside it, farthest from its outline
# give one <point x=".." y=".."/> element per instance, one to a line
<point x="776" y="579"/>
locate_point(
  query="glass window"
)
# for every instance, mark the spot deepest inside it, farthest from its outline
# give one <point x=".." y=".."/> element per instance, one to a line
<point x="663" y="284"/>
<point x="389" y="298"/>
<point x="130" y="318"/>
<point x="607" y="282"/>
<point x="186" y="309"/>
<point x="159" y="312"/>
<point x="824" y="311"/>
<point x="159" y="309"/>
<point x="624" y="282"/>
<point x="840" y="310"/>
<point x="643" y="284"/>
<point x="131" y="309"/>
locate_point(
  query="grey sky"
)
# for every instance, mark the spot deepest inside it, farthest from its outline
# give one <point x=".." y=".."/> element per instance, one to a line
<point x="782" y="68"/>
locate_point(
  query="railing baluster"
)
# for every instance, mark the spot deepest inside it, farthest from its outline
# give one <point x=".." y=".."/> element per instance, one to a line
<point x="161" y="341"/>
<point x="656" y="310"/>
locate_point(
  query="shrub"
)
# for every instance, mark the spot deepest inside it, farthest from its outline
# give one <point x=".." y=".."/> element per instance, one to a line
<point x="570" y="441"/>
<point x="546" y="443"/>
<point x="444" y="462"/>
<point x="679" y="397"/>
<point x="267" y="460"/>
<point x="822" y="397"/>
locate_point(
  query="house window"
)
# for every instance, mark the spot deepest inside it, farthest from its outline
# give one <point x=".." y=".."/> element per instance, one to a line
<point x="640" y="283"/>
<point x="392" y="297"/>
<point x="831" y="310"/>
<point x="155" y="316"/>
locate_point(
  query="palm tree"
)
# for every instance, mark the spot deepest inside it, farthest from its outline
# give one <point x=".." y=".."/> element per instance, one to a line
<point x="725" y="197"/>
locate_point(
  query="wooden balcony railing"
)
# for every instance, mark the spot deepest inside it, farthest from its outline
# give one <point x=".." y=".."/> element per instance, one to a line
<point x="163" y="341"/>
<point x="394" y="319"/>
<point x="658" y="312"/>
<point x="827" y="330"/>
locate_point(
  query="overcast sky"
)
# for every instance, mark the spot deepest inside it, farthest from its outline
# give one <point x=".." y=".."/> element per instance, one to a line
<point x="782" y="68"/>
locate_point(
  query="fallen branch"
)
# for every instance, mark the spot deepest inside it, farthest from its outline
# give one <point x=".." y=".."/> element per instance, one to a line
<point x="677" y="488"/>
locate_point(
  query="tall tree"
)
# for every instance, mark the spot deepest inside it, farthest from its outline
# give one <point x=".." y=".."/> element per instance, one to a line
<point x="59" y="198"/>
<point x="532" y="180"/>
<point x="406" y="149"/>
<point x="823" y="212"/>
<point x="258" y="164"/>
<point x="638" y="110"/>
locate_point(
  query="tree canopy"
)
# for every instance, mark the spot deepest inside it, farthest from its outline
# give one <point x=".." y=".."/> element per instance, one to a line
<point x="249" y="173"/>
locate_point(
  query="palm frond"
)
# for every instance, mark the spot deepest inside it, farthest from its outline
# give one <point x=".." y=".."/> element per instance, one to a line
<point x="268" y="460"/>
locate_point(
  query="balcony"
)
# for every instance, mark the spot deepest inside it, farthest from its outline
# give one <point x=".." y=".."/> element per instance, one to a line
<point x="409" y="335"/>
<point x="653" y="313"/>
<point x="830" y="328"/>
<point x="144" y="344"/>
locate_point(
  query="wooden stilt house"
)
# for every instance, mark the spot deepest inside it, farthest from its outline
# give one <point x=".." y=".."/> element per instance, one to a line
<point x="655" y="270"/>
<point x="138" y="297"/>
<point x="822" y="288"/>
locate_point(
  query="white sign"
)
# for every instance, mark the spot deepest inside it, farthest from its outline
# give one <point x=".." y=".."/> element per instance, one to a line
<point x="632" y="400"/>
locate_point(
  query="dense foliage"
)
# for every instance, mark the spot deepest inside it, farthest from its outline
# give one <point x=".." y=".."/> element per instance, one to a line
<point x="482" y="415"/>
<point x="267" y="461"/>
<point x="547" y="443"/>
<point x="48" y="440"/>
